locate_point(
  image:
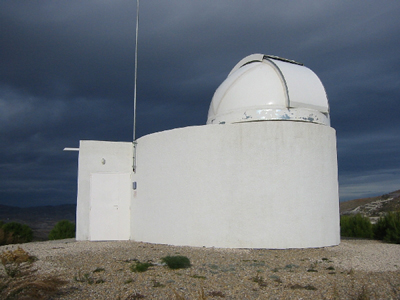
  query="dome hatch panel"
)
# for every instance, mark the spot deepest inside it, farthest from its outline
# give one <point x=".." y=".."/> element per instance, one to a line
<point x="245" y="84"/>
<point x="304" y="87"/>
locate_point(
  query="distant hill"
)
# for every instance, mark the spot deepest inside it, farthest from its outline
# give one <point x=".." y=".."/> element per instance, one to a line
<point x="40" y="218"/>
<point x="373" y="207"/>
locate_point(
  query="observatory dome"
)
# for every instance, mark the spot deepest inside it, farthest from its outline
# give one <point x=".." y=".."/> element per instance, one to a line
<point x="264" y="87"/>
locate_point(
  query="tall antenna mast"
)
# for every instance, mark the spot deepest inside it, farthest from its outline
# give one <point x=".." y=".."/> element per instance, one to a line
<point x="135" y="88"/>
<point x="136" y="55"/>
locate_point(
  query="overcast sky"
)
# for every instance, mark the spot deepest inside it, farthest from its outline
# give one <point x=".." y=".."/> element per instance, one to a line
<point x="67" y="74"/>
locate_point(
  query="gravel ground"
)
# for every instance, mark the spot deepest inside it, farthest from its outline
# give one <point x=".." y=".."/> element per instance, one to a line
<point x="101" y="270"/>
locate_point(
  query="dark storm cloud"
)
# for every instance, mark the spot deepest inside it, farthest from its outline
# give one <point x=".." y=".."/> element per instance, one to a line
<point x="66" y="51"/>
<point x="67" y="74"/>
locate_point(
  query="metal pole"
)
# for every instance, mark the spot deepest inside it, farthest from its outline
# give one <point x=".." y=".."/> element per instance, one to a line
<point x="136" y="54"/>
<point x="135" y="87"/>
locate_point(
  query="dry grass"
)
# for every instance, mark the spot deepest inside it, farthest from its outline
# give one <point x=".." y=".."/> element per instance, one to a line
<point x="31" y="287"/>
<point x="201" y="296"/>
<point x="17" y="256"/>
<point x="20" y="280"/>
<point x="135" y="296"/>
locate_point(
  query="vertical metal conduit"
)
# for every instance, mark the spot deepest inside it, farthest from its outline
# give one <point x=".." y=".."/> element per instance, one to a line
<point x="135" y="87"/>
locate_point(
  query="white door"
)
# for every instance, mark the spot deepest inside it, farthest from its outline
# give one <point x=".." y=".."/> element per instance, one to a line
<point x="110" y="197"/>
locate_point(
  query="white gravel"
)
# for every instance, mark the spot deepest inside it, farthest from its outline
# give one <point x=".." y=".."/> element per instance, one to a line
<point x="356" y="254"/>
<point x="347" y="271"/>
<point x="367" y="255"/>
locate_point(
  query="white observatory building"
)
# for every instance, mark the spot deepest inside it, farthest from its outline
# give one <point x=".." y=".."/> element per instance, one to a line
<point x="262" y="173"/>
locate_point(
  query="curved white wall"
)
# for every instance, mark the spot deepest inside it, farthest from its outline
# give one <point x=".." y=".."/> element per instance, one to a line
<point x="248" y="185"/>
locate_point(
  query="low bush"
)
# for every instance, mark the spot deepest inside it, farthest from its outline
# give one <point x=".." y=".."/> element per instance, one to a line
<point x="176" y="262"/>
<point x="356" y="226"/>
<point x="62" y="230"/>
<point x="15" y="233"/>
<point x="13" y="259"/>
<point x="140" y="267"/>
<point x="388" y="228"/>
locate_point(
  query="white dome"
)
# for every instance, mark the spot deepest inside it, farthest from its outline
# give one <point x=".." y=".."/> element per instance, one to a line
<point x="263" y="87"/>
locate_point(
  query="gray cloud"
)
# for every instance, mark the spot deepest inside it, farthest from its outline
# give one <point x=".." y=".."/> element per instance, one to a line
<point x="67" y="74"/>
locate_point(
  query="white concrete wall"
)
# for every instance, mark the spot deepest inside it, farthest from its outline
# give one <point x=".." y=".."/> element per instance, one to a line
<point x="254" y="185"/>
<point x="95" y="158"/>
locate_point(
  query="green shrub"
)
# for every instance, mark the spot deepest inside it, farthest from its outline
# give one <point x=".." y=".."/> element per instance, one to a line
<point x="388" y="228"/>
<point x="15" y="233"/>
<point x="176" y="262"/>
<point x="62" y="230"/>
<point x="356" y="226"/>
<point x="140" y="267"/>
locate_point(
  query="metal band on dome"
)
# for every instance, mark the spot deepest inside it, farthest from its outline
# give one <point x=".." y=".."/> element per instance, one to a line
<point x="272" y="114"/>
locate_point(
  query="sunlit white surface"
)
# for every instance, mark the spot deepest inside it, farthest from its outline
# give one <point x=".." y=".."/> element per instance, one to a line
<point x="263" y="88"/>
<point x="265" y="179"/>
